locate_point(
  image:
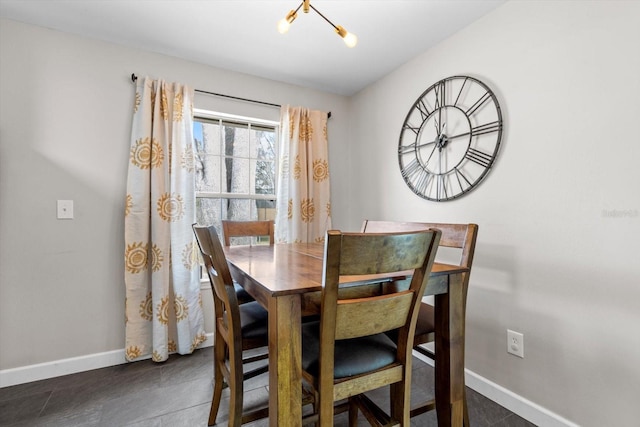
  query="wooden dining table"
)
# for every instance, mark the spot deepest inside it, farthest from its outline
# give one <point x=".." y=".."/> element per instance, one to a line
<point x="286" y="279"/>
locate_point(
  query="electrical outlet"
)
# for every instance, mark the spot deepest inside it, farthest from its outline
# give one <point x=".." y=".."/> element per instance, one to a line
<point x="515" y="343"/>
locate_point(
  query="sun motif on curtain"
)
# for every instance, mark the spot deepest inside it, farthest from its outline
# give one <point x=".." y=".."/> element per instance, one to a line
<point x="304" y="199"/>
<point x="163" y="302"/>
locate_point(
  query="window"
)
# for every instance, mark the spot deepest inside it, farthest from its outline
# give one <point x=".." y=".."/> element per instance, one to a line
<point x="235" y="168"/>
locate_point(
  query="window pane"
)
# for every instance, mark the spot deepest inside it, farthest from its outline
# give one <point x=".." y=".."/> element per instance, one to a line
<point x="241" y="209"/>
<point x="265" y="176"/>
<point x="266" y="209"/>
<point x="236" y="140"/>
<point x="207" y="137"/>
<point x="210" y="211"/>
<point x="238" y="174"/>
<point x="208" y="173"/>
<point x="265" y="140"/>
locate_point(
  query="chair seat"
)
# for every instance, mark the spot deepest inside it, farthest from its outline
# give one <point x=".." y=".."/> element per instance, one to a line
<point x="254" y="320"/>
<point x="242" y="294"/>
<point x="352" y="356"/>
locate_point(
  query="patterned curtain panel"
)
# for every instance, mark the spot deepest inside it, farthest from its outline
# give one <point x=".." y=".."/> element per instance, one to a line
<point x="163" y="305"/>
<point x="303" y="205"/>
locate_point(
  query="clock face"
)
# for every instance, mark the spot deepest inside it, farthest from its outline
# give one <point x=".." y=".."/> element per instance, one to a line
<point x="450" y="138"/>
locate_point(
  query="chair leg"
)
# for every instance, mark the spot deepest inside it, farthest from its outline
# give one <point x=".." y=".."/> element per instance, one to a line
<point x="235" y="409"/>
<point x="236" y="386"/>
<point x="219" y="382"/>
<point x="465" y="410"/>
<point x="353" y="412"/>
<point x="325" y="410"/>
<point x="218" y="385"/>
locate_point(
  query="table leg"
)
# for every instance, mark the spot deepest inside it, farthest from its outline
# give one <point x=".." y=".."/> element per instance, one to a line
<point x="285" y="361"/>
<point x="449" y="348"/>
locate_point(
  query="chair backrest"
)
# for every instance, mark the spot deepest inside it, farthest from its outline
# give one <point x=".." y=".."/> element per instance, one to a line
<point x="215" y="262"/>
<point x="247" y="229"/>
<point x="355" y="254"/>
<point x="459" y="236"/>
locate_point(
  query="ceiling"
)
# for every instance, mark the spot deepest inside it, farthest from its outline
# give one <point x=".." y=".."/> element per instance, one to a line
<point x="241" y="35"/>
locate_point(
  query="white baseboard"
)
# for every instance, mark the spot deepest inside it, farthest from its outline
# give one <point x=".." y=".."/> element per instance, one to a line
<point x="517" y="404"/>
<point x="41" y="371"/>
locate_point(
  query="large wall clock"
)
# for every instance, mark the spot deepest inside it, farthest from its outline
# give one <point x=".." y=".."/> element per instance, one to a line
<point x="450" y="138"/>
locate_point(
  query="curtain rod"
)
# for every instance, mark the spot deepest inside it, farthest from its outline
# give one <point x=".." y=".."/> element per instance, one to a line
<point x="134" y="78"/>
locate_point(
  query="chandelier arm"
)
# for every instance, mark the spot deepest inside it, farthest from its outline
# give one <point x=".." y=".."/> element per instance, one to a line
<point x="350" y="39"/>
<point x="324" y="17"/>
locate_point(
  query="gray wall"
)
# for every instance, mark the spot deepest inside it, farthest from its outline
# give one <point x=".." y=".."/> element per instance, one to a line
<point x="559" y="215"/>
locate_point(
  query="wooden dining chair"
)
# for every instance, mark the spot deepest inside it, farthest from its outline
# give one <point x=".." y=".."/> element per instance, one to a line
<point x="231" y="229"/>
<point x="252" y="229"/>
<point x="238" y="328"/>
<point x="462" y="237"/>
<point x="347" y="353"/>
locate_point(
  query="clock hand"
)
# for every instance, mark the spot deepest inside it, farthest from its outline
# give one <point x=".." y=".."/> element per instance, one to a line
<point x="432" y="151"/>
<point x="439" y="129"/>
<point x="458" y="135"/>
<point x="435" y="141"/>
<point x="425" y="144"/>
<point x="438" y="140"/>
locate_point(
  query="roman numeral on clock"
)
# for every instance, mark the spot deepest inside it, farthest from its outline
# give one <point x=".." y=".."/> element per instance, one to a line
<point x="479" y="157"/>
<point x="486" y="128"/>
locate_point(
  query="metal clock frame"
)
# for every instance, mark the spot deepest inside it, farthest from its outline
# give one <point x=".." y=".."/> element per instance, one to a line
<point x="438" y="98"/>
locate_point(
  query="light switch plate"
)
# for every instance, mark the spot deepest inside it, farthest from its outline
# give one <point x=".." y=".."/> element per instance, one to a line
<point x="65" y="209"/>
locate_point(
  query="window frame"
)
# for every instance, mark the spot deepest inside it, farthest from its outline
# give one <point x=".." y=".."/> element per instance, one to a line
<point x="208" y="115"/>
<point x="202" y="115"/>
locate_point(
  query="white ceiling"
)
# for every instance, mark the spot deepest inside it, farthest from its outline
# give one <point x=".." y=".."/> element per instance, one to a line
<point x="241" y="35"/>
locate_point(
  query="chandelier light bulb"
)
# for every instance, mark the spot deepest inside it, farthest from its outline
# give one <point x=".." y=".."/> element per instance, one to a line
<point x="285" y="23"/>
<point x="350" y="39"/>
<point x="283" y="26"/>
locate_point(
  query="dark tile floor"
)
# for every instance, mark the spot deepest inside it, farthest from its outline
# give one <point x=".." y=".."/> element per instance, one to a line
<point x="177" y="393"/>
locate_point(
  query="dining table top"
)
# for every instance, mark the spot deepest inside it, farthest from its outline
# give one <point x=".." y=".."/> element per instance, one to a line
<point x="292" y="268"/>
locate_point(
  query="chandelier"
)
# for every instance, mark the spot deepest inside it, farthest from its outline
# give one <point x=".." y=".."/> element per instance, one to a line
<point x="350" y="39"/>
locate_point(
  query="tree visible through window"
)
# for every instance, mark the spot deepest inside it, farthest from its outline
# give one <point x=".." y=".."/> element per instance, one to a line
<point x="235" y="168"/>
